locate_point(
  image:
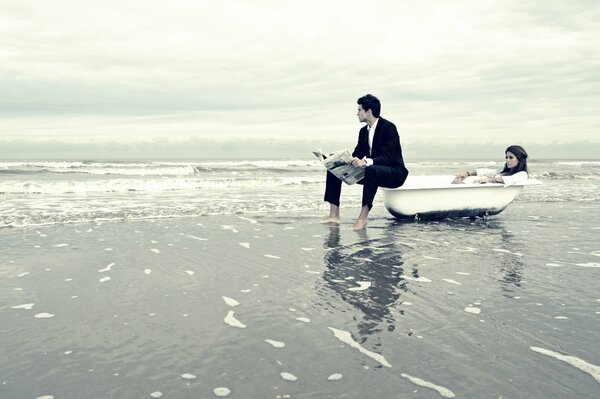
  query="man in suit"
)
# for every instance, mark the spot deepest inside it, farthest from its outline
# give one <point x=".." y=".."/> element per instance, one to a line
<point x="379" y="152"/>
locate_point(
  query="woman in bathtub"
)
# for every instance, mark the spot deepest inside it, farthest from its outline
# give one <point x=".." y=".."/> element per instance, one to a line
<point x="515" y="170"/>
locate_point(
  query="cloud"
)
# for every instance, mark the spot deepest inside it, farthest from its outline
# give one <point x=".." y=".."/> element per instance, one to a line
<point x="446" y="72"/>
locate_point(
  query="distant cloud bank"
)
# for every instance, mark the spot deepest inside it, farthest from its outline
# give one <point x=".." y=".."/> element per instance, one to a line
<point x="268" y="149"/>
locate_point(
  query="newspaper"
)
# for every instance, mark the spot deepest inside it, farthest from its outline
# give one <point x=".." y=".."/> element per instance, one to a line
<point x="340" y="164"/>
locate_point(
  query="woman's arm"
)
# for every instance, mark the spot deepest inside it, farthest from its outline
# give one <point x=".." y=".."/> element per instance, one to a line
<point x="517" y="178"/>
<point x="463" y="175"/>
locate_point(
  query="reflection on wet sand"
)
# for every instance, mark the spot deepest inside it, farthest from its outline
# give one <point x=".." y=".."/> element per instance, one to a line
<point x="511" y="264"/>
<point x="499" y="250"/>
<point x="367" y="275"/>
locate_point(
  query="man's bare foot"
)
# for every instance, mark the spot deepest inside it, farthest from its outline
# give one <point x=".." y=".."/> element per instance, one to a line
<point x="331" y="219"/>
<point x="360" y="224"/>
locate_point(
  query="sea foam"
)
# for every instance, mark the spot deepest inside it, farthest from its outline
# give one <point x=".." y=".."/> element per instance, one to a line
<point x="445" y="392"/>
<point x="346" y="338"/>
<point x="582" y="365"/>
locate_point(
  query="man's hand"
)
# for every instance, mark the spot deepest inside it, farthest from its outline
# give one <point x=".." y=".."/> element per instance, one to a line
<point x="359" y="163"/>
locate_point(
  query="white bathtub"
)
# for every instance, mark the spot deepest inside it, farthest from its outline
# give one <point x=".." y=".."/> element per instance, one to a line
<point x="434" y="197"/>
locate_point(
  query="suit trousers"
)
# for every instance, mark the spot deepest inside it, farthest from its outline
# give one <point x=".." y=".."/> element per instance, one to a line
<point x="375" y="176"/>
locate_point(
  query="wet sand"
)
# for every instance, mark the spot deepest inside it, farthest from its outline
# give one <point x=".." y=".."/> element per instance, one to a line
<point x="281" y="306"/>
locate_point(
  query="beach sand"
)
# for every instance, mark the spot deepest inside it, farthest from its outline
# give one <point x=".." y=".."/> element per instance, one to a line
<point x="282" y="306"/>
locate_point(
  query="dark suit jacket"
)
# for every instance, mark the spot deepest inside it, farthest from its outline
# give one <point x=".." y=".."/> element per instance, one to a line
<point x="386" y="149"/>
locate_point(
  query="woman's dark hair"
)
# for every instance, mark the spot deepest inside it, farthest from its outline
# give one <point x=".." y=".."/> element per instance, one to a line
<point x="521" y="155"/>
<point x="370" y="102"/>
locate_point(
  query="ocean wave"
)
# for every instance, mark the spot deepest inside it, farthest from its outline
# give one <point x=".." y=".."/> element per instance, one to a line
<point x="159" y="168"/>
<point x="17" y="172"/>
<point x="579" y="163"/>
<point x="565" y="176"/>
<point x="152" y="185"/>
<point x="111" y="213"/>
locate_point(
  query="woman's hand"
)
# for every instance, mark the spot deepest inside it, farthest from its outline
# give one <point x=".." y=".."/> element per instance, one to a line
<point x="460" y="177"/>
<point x="482" y="180"/>
<point x="458" y="180"/>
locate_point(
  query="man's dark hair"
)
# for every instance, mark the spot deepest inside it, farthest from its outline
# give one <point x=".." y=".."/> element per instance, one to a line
<point x="370" y="102"/>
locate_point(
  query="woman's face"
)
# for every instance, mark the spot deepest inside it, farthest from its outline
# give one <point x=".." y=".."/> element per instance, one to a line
<point x="511" y="160"/>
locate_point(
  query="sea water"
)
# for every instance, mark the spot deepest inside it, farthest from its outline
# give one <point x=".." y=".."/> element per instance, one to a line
<point x="50" y="192"/>
<point x="213" y="279"/>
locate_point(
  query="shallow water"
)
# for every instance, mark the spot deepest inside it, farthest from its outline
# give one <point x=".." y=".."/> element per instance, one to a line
<point x="264" y="306"/>
<point x="39" y="193"/>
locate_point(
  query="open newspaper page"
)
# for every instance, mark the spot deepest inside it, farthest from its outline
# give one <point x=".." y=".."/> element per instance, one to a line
<point x="340" y="164"/>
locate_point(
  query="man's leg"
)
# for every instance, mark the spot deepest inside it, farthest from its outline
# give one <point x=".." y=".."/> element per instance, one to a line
<point x="333" y="191"/>
<point x="361" y="222"/>
<point x="375" y="176"/>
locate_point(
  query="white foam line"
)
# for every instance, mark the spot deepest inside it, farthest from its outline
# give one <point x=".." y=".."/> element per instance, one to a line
<point x="275" y="344"/>
<point x="408" y="244"/>
<point x="346" y="338"/>
<point x="364" y="285"/>
<point x="221" y="391"/>
<point x="248" y="219"/>
<point x="107" y="268"/>
<point x="272" y="256"/>
<point x="155" y="250"/>
<point x="445" y="392"/>
<point x="60" y="245"/>
<point x="232" y="321"/>
<point x="589" y="264"/>
<point x="472" y="309"/>
<point x="419" y="279"/>
<point x="44" y="315"/>
<point x="448" y="280"/>
<point x="431" y="257"/>
<point x="104" y="279"/>
<point x="245" y="244"/>
<point x="468" y="249"/>
<point x="230" y="301"/>
<point x="430" y="242"/>
<point x="197" y="238"/>
<point x="288" y="376"/>
<point x="506" y="251"/>
<point x="26" y="306"/>
<point x="576" y="362"/>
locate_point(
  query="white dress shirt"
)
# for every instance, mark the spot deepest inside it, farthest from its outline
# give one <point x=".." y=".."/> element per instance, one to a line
<point x="371" y="131"/>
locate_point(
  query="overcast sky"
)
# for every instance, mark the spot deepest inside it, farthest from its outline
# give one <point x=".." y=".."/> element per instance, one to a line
<point x="446" y="71"/>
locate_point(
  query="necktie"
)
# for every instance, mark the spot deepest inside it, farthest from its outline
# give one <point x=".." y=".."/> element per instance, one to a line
<point x="369" y="138"/>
